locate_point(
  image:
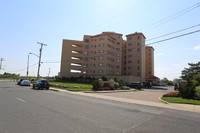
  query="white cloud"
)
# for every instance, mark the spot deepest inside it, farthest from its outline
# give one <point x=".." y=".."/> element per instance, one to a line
<point x="197" y="47"/>
<point x="160" y="54"/>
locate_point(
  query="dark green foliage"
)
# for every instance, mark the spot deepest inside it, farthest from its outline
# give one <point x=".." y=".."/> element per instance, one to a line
<point x="188" y="91"/>
<point x="197" y="92"/>
<point x="96" y="85"/>
<point x="188" y="73"/>
<point x="116" y="85"/>
<point x="104" y="78"/>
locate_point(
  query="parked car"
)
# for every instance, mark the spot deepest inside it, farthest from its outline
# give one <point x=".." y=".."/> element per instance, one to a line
<point x="146" y="84"/>
<point x="136" y="85"/>
<point x="25" y="82"/>
<point x="19" y="81"/>
<point x="41" y="84"/>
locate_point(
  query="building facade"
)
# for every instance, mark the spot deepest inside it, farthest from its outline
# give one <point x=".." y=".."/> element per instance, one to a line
<point x="106" y="54"/>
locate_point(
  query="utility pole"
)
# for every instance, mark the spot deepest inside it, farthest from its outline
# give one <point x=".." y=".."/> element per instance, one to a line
<point x="1" y="61"/>
<point x="39" y="64"/>
<point x="27" y="67"/>
<point x="49" y="72"/>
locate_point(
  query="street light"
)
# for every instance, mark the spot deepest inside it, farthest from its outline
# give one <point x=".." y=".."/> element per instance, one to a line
<point x="38" y="63"/>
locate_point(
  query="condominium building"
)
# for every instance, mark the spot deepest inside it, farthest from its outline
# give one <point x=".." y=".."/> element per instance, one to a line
<point x="106" y="54"/>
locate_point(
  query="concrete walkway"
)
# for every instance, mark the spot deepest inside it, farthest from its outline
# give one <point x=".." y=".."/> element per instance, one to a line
<point x="150" y="98"/>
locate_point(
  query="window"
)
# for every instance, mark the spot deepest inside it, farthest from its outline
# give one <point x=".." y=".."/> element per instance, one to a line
<point x="107" y="71"/>
<point x="138" y="61"/>
<point x="138" y="37"/>
<point x="117" y="67"/>
<point x="117" y="73"/>
<point x="100" y="64"/>
<point x="129" y="50"/>
<point x="85" y="65"/>
<point x="86" y="59"/>
<point x="86" y="46"/>
<point x="129" y="61"/>
<point x="100" y="71"/>
<point x="117" y="43"/>
<point x="129" y="44"/>
<point x="101" y="57"/>
<point x="101" y="44"/>
<point x="101" y="38"/>
<point x="87" y="40"/>
<point x="138" y="44"/>
<point x="117" y="60"/>
<point x="101" y="51"/>
<point x="118" y="54"/>
<point x="138" y="67"/>
<point x="138" y="49"/>
<point x="86" y="52"/>
<point x="129" y="68"/>
<point x="118" y="49"/>
<point x="138" y="74"/>
<point x="129" y="55"/>
<point x="129" y="38"/>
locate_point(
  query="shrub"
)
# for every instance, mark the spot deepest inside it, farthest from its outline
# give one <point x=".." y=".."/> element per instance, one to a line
<point x="188" y="91"/>
<point x="172" y="94"/>
<point x="197" y="92"/>
<point x="116" y="85"/>
<point x="96" y="85"/>
<point x="104" y="88"/>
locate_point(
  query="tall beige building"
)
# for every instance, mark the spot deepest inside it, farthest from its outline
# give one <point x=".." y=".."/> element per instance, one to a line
<point x="106" y="54"/>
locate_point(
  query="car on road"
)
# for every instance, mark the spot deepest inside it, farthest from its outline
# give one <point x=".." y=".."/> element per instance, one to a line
<point x="146" y="84"/>
<point x="136" y="85"/>
<point x="19" y="81"/>
<point x="25" y="82"/>
<point x="41" y="84"/>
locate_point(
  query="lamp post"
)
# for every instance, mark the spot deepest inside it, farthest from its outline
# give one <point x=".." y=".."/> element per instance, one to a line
<point x="39" y="62"/>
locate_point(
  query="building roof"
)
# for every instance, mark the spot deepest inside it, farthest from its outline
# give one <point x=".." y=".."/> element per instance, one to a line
<point x="152" y="77"/>
<point x="135" y="34"/>
<point x="106" y="33"/>
<point x="149" y="47"/>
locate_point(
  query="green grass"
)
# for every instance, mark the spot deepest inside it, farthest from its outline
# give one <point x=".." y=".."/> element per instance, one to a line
<point x="181" y="100"/>
<point x="84" y="87"/>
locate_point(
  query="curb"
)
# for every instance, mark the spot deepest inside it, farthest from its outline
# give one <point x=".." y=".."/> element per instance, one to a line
<point x="163" y="101"/>
<point x="114" y="91"/>
<point x="54" y="90"/>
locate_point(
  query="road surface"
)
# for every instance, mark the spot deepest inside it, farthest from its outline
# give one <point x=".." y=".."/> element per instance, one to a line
<point x="23" y="110"/>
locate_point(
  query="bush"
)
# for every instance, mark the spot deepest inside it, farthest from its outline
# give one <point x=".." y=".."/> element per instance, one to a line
<point x="116" y="85"/>
<point x="188" y="91"/>
<point x="172" y="94"/>
<point x="197" y="92"/>
<point x="104" y="88"/>
<point x="96" y="85"/>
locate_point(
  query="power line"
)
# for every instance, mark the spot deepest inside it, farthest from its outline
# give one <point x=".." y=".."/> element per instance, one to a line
<point x="23" y="68"/>
<point x="173" y="32"/>
<point x="174" y="37"/>
<point x="174" y="16"/>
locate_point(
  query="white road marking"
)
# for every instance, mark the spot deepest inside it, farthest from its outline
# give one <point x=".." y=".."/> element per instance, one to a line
<point x="21" y="100"/>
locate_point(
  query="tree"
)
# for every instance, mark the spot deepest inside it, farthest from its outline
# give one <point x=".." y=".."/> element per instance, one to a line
<point x="188" y="73"/>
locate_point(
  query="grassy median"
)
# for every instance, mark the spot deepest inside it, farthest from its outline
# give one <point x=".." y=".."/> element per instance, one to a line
<point x="181" y="100"/>
<point x="74" y="86"/>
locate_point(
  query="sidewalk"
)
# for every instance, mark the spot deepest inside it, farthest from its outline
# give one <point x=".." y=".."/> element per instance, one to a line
<point x="130" y="97"/>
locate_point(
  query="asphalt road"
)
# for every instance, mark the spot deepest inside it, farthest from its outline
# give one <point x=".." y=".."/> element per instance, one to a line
<point x="23" y="110"/>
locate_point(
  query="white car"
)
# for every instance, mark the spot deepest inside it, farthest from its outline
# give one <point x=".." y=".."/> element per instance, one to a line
<point x="25" y="82"/>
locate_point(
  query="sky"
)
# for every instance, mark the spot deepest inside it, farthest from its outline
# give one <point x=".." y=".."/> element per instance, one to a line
<point x="23" y="23"/>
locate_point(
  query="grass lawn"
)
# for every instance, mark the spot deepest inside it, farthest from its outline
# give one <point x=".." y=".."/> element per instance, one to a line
<point x="180" y="100"/>
<point x="85" y="87"/>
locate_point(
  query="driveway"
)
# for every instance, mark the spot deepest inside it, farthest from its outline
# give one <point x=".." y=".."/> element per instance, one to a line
<point x="151" y="95"/>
